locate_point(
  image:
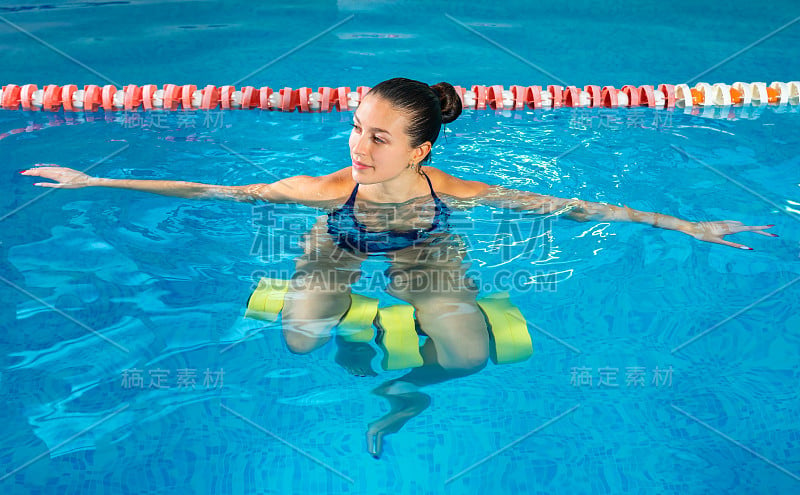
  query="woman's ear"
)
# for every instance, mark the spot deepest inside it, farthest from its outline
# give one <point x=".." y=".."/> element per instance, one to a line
<point x="421" y="151"/>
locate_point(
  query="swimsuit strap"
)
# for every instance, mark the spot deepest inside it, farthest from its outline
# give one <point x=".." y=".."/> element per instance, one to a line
<point x="351" y="201"/>
<point x="435" y="198"/>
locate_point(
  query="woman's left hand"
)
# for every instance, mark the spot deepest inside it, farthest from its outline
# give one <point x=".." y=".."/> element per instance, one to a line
<point x="715" y="231"/>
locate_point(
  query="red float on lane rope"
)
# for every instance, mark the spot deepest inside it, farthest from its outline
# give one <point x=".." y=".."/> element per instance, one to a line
<point x="595" y="95"/>
<point x="646" y="96"/>
<point x="148" y="90"/>
<point x="26" y="96"/>
<point x="107" y="97"/>
<point x="362" y="92"/>
<point x="187" y="93"/>
<point x="557" y="92"/>
<point x="133" y="97"/>
<point x="172" y="97"/>
<point x="325" y="99"/>
<point x="632" y="92"/>
<point x="11" y="96"/>
<point x="518" y="93"/>
<point x="210" y="98"/>
<point x="533" y="97"/>
<point x="92" y="98"/>
<point x="302" y="96"/>
<point x="462" y="93"/>
<point x="286" y="104"/>
<point x="494" y="97"/>
<point x="340" y="99"/>
<point x="225" y="96"/>
<point x="572" y="96"/>
<point x="264" y="95"/>
<point x="609" y="96"/>
<point x="480" y="97"/>
<point x="67" y="93"/>
<point x="51" y="100"/>
<point x="669" y="93"/>
<point x="249" y="98"/>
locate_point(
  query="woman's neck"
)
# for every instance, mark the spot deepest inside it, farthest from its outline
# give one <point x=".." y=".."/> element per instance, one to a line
<point x="407" y="185"/>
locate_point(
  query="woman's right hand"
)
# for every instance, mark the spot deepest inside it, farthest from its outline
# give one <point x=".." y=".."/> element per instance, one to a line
<point x="66" y="178"/>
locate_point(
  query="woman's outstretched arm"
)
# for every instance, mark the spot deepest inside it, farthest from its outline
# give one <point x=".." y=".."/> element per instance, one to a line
<point x="302" y="189"/>
<point x="585" y="211"/>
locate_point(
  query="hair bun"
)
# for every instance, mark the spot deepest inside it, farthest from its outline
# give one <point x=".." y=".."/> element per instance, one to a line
<point x="449" y="101"/>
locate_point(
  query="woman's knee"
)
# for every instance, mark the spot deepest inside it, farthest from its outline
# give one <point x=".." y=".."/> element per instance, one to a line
<point x="299" y="343"/>
<point x="466" y="364"/>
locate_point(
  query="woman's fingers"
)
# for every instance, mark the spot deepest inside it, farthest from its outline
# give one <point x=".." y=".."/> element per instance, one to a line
<point x="732" y="244"/>
<point x="758" y="229"/>
<point x="37" y="171"/>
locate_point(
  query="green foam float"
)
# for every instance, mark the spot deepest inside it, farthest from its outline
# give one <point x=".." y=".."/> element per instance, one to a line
<point x="394" y="327"/>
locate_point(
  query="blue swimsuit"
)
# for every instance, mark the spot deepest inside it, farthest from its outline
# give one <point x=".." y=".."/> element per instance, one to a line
<point x="349" y="233"/>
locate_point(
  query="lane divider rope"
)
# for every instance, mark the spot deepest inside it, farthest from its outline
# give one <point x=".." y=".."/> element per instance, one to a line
<point x="173" y="97"/>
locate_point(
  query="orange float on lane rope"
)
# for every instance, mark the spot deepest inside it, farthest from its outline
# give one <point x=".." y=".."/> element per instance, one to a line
<point x="698" y="97"/>
<point x="772" y="95"/>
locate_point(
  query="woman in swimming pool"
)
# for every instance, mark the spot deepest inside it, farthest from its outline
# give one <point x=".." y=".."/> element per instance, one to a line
<point x="399" y="214"/>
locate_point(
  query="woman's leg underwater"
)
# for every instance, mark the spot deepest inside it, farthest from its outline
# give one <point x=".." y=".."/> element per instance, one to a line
<point x="457" y="345"/>
<point x="318" y="295"/>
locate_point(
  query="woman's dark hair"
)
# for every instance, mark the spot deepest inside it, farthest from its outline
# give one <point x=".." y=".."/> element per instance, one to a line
<point x="427" y="107"/>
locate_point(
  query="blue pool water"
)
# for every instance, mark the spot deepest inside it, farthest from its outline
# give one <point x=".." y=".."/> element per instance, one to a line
<point x="691" y="348"/>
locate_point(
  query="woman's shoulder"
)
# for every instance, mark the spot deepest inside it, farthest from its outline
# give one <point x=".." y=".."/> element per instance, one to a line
<point x="444" y="183"/>
<point x="331" y="185"/>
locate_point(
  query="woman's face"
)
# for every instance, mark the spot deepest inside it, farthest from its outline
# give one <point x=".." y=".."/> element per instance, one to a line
<point x="379" y="146"/>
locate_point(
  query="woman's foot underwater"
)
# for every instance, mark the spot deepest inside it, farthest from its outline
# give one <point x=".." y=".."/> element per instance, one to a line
<point x="405" y="401"/>
<point x="355" y="357"/>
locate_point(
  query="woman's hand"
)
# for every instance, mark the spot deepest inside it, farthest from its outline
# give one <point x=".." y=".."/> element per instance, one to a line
<point x="66" y="178"/>
<point x="715" y="231"/>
